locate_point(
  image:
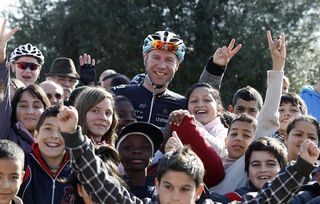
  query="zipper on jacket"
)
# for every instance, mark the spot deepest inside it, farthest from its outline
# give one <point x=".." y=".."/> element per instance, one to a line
<point x="53" y="190"/>
<point x="151" y="106"/>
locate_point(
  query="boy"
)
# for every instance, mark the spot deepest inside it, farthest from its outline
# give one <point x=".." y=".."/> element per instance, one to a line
<point x="137" y="143"/>
<point x="11" y="171"/>
<point x="180" y="174"/>
<point x="48" y="168"/>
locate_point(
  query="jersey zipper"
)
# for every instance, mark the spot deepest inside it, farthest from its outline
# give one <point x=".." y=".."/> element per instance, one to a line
<point x="151" y="106"/>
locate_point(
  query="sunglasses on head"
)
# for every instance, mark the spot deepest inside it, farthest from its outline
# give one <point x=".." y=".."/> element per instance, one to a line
<point x="160" y="45"/>
<point x="25" y="65"/>
<point x="56" y="95"/>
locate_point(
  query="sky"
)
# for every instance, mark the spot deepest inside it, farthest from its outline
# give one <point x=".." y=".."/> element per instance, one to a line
<point x="5" y="5"/>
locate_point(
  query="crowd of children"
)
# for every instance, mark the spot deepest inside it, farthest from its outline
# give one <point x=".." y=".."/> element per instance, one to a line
<point x="140" y="142"/>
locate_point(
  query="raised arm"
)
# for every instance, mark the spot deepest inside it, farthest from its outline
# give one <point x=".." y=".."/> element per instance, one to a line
<point x="89" y="168"/>
<point x="87" y="69"/>
<point x="268" y="119"/>
<point x="214" y="70"/>
<point x="5" y="105"/>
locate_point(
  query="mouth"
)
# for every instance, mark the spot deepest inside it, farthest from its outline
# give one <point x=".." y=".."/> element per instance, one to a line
<point x="137" y="161"/>
<point x="100" y="126"/>
<point x="52" y="145"/>
<point x="237" y="147"/>
<point x="160" y="73"/>
<point x="201" y="112"/>
<point x="264" y="177"/>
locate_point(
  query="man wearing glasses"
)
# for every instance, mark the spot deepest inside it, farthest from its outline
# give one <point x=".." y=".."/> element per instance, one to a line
<point x="26" y="63"/>
<point x="54" y="91"/>
<point x="63" y="72"/>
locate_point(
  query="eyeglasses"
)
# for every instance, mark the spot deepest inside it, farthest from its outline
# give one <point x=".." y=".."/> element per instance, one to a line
<point x="25" y="65"/>
<point x="56" y="95"/>
<point x="160" y="45"/>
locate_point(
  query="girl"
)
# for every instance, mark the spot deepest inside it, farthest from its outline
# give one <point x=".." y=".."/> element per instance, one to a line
<point x="27" y="104"/>
<point x="97" y="115"/>
<point x="300" y="129"/>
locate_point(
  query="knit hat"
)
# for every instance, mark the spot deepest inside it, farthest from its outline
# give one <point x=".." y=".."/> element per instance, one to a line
<point x="152" y="133"/>
<point x="63" y="66"/>
<point x="109" y="73"/>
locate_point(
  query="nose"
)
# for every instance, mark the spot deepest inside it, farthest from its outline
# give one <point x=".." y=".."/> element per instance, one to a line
<point x="175" y="195"/>
<point x="5" y="183"/>
<point x="162" y="64"/>
<point x="103" y="116"/>
<point x="30" y="110"/>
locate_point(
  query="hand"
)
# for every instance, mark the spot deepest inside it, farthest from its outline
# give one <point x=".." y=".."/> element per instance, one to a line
<point x="309" y="151"/>
<point x="223" y="55"/>
<point x="87" y="69"/>
<point x="278" y="51"/>
<point x="4" y="38"/>
<point x="176" y="117"/>
<point x="68" y="119"/>
<point x="173" y="143"/>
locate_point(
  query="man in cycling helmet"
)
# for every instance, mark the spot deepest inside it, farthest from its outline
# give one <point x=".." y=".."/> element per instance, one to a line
<point x="26" y="63"/>
<point x="163" y="51"/>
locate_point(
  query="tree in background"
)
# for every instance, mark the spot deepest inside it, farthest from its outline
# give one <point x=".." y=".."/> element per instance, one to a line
<point x="113" y="31"/>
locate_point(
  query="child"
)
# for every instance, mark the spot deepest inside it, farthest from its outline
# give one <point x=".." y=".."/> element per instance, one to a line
<point x="300" y="129"/>
<point x="28" y="103"/>
<point x="97" y="115"/>
<point x="263" y="160"/>
<point x="246" y="100"/>
<point x="205" y="104"/>
<point x="291" y="106"/>
<point x="11" y="171"/>
<point x="48" y="168"/>
<point x="125" y="111"/>
<point x="179" y="174"/>
<point x="137" y="144"/>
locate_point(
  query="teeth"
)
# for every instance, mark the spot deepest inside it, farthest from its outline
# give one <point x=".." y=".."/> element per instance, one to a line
<point x="201" y="112"/>
<point x="49" y="144"/>
<point x="160" y="74"/>
<point x="264" y="177"/>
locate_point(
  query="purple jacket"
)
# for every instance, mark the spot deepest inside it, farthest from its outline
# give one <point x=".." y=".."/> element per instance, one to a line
<point x="16" y="132"/>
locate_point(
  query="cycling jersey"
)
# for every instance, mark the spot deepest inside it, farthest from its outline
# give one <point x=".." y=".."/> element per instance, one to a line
<point x="150" y="107"/>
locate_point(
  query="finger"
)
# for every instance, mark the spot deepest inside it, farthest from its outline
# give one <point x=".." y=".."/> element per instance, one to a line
<point x="11" y="33"/>
<point x="93" y="62"/>
<point x="89" y="59"/>
<point x="231" y="44"/>
<point x="81" y="60"/>
<point x="269" y="37"/>
<point x="282" y="41"/>
<point x="236" y="50"/>
<point x="3" y="27"/>
<point x="85" y="56"/>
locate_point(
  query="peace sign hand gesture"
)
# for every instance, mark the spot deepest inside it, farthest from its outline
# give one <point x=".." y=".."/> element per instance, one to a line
<point x="4" y="38"/>
<point x="278" y="51"/>
<point x="223" y="55"/>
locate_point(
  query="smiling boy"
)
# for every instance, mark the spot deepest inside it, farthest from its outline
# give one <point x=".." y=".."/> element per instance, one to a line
<point x="11" y="172"/>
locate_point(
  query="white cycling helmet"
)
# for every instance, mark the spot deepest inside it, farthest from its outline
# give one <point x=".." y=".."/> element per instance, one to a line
<point x="27" y="50"/>
<point x="164" y="40"/>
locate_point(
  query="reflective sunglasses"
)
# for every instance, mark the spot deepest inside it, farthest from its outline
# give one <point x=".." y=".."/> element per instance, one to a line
<point x="56" y="95"/>
<point x="160" y="45"/>
<point x="25" y="65"/>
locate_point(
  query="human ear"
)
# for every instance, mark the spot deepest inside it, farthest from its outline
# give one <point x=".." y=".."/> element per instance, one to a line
<point x="199" y="191"/>
<point x="36" y="134"/>
<point x="157" y="184"/>
<point x="145" y="59"/>
<point x="230" y="108"/>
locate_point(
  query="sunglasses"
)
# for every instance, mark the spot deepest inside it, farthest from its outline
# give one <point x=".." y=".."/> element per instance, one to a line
<point x="160" y="45"/>
<point x="56" y="95"/>
<point x="25" y="65"/>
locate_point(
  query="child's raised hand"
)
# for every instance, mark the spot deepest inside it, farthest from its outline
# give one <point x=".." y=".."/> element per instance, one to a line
<point x="176" y="117"/>
<point x="4" y="38"/>
<point x="278" y="51"/>
<point x="68" y="119"/>
<point x="173" y="143"/>
<point x="224" y="54"/>
<point x="309" y="151"/>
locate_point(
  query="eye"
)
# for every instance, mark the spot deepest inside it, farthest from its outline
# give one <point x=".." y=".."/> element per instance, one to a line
<point x="14" y="178"/>
<point x="108" y="113"/>
<point x="168" y="187"/>
<point x="247" y="136"/>
<point x="253" y="110"/>
<point x="271" y="164"/>
<point x="298" y="135"/>
<point x="233" y="134"/>
<point x="193" y="101"/>
<point x="185" y="189"/>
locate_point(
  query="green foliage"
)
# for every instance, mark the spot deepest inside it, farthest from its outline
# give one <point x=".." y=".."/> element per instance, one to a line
<point x="112" y="31"/>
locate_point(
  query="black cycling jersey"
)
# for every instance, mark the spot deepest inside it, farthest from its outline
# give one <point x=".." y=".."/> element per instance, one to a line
<point x="149" y="107"/>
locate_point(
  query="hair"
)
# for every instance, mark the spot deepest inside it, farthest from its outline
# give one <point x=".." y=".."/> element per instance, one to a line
<point x="244" y="117"/>
<point x="49" y="112"/>
<point x="306" y="118"/>
<point x="267" y="144"/>
<point x="295" y="100"/>
<point x="182" y="160"/>
<point x="119" y="79"/>
<point x="86" y="101"/>
<point x="111" y="159"/>
<point x="248" y="93"/>
<point x="36" y="91"/>
<point x="74" y="95"/>
<point x="10" y="150"/>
